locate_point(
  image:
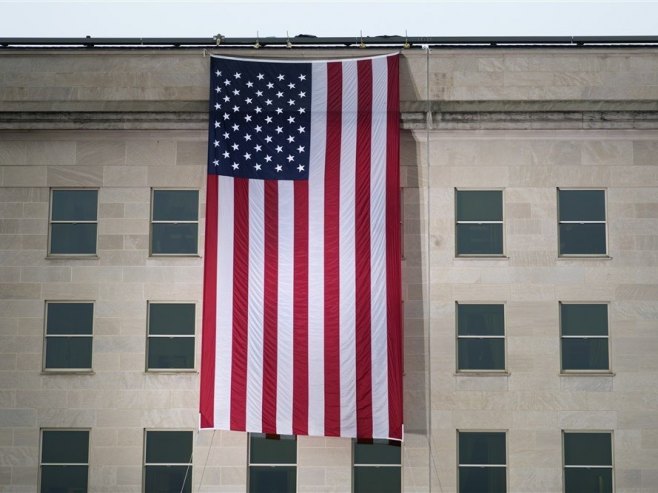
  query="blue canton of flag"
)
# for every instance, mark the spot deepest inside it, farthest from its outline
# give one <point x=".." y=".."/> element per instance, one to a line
<point x="260" y="119"/>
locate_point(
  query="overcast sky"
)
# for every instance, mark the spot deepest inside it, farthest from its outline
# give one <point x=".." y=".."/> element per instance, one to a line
<point x="341" y="18"/>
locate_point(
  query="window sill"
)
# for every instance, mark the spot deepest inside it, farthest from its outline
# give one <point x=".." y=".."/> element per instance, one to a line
<point x="170" y="371"/>
<point x="584" y="257"/>
<point x="176" y="255"/>
<point x="72" y="257"/>
<point x="587" y="374"/>
<point x="481" y="257"/>
<point x="477" y="373"/>
<point x="68" y="372"/>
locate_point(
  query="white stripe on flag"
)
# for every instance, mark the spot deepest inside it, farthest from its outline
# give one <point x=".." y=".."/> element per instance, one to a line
<point x="378" y="250"/>
<point x="255" y="285"/>
<point x="316" y="251"/>
<point x="224" y="339"/>
<point x="347" y="252"/>
<point x="285" y="308"/>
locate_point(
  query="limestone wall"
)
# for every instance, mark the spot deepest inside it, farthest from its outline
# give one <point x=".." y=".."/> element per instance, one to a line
<point x="147" y="130"/>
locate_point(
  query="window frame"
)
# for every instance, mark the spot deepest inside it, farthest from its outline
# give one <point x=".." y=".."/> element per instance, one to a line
<point x="610" y="433"/>
<point x="148" y="337"/>
<point x="189" y="465"/>
<point x="49" y="253"/>
<point x="605" y="223"/>
<point x="504" y="370"/>
<point x="355" y="465"/>
<point x="152" y="222"/>
<point x="484" y="466"/>
<point x="264" y="464"/>
<point x="44" y="368"/>
<point x="64" y="464"/>
<point x="502" y="254"/>
<point x="564" y="371"/>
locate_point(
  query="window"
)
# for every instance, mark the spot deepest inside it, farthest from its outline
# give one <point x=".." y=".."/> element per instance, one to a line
<point x="68" y="340"/>
<point x="587" y="462"/>
<point x="482" y="462"/>
<point x="584" y="334"/>
<point x="377" y="466"/>
<point x="272" y="463"/>
<point x="73" y="222"/>
<point x="174" y="222"/>
<point x="170" y="342"/>
<point x="168" y="462"/>
<point x="64" y="461"/>
<point x="480" y="337"/>
<point x="582" y="222"/>
<point x="479" y="222"/>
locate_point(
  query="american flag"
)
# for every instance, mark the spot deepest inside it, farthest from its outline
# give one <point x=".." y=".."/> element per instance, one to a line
<point x="302" y="300"/>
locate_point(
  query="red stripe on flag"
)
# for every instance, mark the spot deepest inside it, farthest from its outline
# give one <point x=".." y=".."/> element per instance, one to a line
<point x="270" y="307"/>
<point x="300" y="311"/>
<point x="362" y="253"/>
<point x="393" y="257"/>
<point x="240" y="304"/>
<point x="207" y="391"/>
<point x="331" y="251"/>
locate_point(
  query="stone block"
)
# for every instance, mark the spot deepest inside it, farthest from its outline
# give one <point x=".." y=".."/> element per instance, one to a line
<point x="151" y="152"/>
<point x="607" y="152"/>
<point x="24" y="176"/>
<point x="20" y="291"/>
<point x="101" y="152"/>
<point x="74" y="176"/>
<point x="182" y="176"/>
<point x="124" y="176"/>
<point x="13" y="153"/>
<point x="50" y="152"/>
<point x="191" y="153"/>
<point x="587" y="420"/>
<point x="10" y="418"/>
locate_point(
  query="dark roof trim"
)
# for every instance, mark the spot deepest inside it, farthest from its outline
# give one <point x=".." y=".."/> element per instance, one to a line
<point x="306" y="41"/>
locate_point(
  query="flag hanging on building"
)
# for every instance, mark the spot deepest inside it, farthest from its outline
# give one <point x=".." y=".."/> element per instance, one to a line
<point x="302" y="302"/>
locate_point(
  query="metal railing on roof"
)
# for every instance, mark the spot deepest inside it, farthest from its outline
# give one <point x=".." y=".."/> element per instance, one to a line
<point x="310" y="41"/>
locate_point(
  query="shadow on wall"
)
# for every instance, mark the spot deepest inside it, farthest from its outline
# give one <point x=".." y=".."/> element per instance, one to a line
<point x="415" y="351"/>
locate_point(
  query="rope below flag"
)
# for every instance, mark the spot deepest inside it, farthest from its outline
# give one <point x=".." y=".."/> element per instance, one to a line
<point x="302" y="300"/>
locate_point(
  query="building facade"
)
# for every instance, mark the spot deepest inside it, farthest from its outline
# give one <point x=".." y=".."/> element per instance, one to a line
<point x="530" y="276"/>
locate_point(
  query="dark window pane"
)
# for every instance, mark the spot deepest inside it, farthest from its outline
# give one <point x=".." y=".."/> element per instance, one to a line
<point x="174" y="238"/>
<point x="377" y="480"/>
<point x="279" y="479"/>
<point x="582" y="205"/>
<point x="481" y="354"/>
<point x="168" y="447"/>
<point x="168" y="479"/>
<point x="584" y="354"/>
<point x="171" y="352"/>
<point x="479" y="239"/>
<point x="64" y="479"/>
<point x="171" y="318"/>
<point x="175" y="205"/>
<point x="588" y="480"/>
<point x="70" y="318"/>
<point x="582" y="239"/>
<point x="65" y="447"/>
<point x="73" y="238"/>
<point x="68" y="352"/>
<point x="281" y="450"/>
<point x="74" y="205"/>
<point x="584" y="320"/>
<point x="482" y="448"/>
<point x="480" y="205"/>
<point x="482" y="480"/>
<point x="587" y="449"/>
<point x="377" y="452"/>
<point x="481" y="320"/>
